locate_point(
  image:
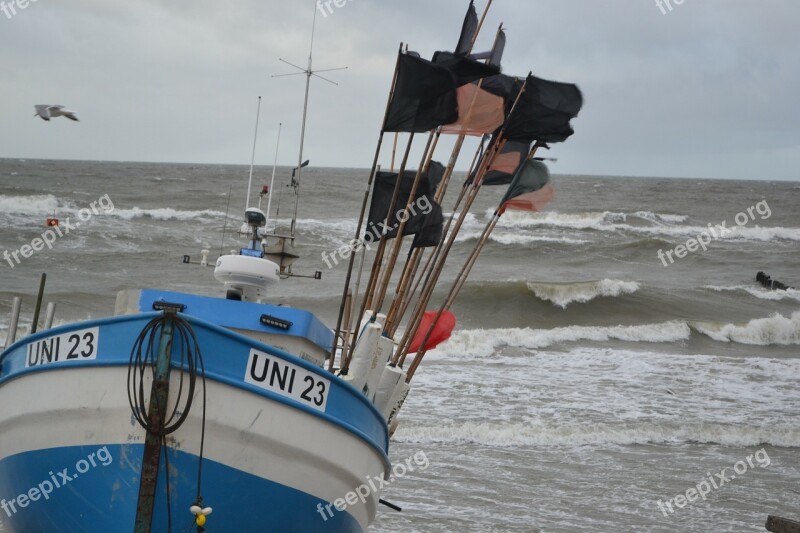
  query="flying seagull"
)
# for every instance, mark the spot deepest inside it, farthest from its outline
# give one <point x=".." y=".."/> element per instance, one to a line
<point x="47" y="111"/>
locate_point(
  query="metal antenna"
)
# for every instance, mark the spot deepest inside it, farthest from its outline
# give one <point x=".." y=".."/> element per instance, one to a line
<point x="253" y="158"/>
<point x="308" y="71"/>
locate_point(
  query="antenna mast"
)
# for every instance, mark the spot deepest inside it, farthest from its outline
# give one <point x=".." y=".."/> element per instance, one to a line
<point x="274" y="166"/>
<point x="308" y="71"/>
<point x="253" y="158"/>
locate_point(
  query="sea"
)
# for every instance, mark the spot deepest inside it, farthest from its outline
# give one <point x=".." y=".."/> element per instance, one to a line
<point x="615" y="366"/>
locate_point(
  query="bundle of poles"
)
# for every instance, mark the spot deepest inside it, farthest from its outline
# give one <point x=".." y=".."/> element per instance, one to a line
<point x="422" y="267"/>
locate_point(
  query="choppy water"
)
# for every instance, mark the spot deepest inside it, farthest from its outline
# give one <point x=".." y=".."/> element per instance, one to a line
<point x="585" y="382"/>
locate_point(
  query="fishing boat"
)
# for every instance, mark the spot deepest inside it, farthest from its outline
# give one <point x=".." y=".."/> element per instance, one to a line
<point x="186" y="412"/>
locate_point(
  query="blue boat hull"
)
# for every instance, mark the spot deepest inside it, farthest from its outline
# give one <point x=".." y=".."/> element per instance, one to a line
<point x="275" y="458"/>
<point x="103" y="498"/>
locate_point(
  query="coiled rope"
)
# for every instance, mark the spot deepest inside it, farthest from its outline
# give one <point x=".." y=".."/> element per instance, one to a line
<point x="144" y="356"/>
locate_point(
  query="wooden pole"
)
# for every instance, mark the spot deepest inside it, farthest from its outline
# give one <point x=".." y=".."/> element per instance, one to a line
<point x="363" y="211"/>
<point x="348" y="309"/>
<point x="480" y="24"/>
<point x="376" y="265"/>
<point x="402" y="288"/>
<point x="424" y="166"/>
<point x="38" y="308"/>
<point x="402" y="351"/>
<point x="405" y="300"/>
<point x="459" y="283"/>
<point x="428" y="289"/>
<point x="394" y="150"/>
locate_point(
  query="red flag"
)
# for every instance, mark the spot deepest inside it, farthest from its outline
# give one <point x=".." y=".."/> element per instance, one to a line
<point x="441" y="331"/>
<point x="479" y="112"/>
<point x="532" y="201"/>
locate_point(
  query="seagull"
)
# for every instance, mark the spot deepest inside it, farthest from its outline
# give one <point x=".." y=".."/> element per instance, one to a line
<point x="47" y="111"/>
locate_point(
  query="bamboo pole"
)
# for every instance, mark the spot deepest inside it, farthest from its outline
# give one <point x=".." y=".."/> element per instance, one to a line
<point x="394" y="150"/>
<point x="402" y="288"/>
<point x="465" y="270"/>
<point x="409" y="271"/>
<point x="488" y="159"/>
<point x="428" y="288"/>
<point x="348" y="308"/>
<point x="462" y="277"/>
<point x="376" y="265"/>
<point x="405" y="300"/>
<point x="480" y="24"/>
<point x="423" y="169"/>
<point x="363" y="211"/>
<point x="455" y="155"/>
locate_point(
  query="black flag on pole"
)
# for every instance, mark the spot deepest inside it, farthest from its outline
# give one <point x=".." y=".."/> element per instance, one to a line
<point x="465" y="69"/>
<point x="507" y="163"/>
<point x="424" y="96"/>
<point x="544" y="111"/>
<point x="495" y="55"/>
<point x="422" y="216"/>
<point x="468" y="31"/>
<point x="530" y="190"/>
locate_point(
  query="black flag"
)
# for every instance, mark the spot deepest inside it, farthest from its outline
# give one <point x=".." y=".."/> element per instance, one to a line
<point x="465" y="69"/>
<point x="422" y="207"/>
<point x="432" y="227"/>
<point x="507" y="163"/>
<point x="424" y="96"/>
<point x="530" y="189"/>
<point x="495" y="55"/>
<point x="468" y="31"/>
<point x="544" y="111"/>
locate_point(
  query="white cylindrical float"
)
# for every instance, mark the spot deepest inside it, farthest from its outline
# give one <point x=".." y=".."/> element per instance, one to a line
<point x="399" y="396"/>
<point x="364" y="355"/>
<point x="390" y="377"/>
<point x="379" y="362"/>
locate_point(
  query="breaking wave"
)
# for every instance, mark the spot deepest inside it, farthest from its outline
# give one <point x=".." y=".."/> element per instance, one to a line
<point x="39" y="204"/>
<point x="776" y="329"/>
<point x="165" y="213"/>
<point x="563" y="294"/>
<point x="642" y="222"/>
<point x="485" y="342"/>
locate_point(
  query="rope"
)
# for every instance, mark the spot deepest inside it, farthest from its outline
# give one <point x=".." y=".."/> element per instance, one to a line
<point x="144" y="355"/>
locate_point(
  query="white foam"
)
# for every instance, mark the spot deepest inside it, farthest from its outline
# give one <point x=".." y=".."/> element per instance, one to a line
<point x="563" y="294"/>
<point x="165" y="213"/>
<point x="485" y="342"/>
<point x="597" y="395"/>
<point x="762" y="294"/>
<point x="661" y="224"/>
<point x="39" y="204"/>
<point x="776" y="329"/>
<point x="599" y="433"/>
<point x="516" y="238"/>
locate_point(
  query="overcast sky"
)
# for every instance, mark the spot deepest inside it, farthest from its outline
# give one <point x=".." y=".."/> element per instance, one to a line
<point x="707" y="90"/>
